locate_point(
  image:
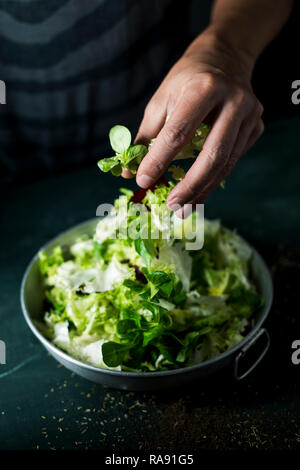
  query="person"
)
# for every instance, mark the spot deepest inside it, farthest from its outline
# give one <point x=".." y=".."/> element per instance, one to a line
<point x="73" y="68"/>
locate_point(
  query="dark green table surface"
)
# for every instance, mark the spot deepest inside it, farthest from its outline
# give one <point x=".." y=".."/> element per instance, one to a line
<point x="44" y="406"/>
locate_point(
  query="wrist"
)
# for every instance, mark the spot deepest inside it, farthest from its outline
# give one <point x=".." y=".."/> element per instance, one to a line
<point x="218" y="50"/>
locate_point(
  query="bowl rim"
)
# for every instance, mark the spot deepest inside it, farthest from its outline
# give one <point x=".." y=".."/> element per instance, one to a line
<point x="265" y="309"/>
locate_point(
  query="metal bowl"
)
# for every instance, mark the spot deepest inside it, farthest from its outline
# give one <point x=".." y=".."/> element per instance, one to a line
<point x="32" y="296"/>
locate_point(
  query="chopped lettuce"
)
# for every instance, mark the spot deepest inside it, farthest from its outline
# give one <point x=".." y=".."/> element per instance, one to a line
<point x="178" y="259"/>
<point x="177" y="172"/>
<point x="147" y="304"/>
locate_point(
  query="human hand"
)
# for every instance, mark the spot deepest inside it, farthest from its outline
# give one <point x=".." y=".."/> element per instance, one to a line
<point x="212" y="83"/>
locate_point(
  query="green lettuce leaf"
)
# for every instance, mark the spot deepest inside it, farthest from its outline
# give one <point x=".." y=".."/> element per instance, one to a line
<point x="130" y="156"/>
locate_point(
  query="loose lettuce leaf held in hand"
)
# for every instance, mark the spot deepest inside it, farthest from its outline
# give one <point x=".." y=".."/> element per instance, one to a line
<point x="130" y="156"/>
<point x="120" y="139"/>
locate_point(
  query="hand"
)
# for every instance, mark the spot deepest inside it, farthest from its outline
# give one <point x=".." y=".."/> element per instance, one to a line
<point x="211" y="83"/>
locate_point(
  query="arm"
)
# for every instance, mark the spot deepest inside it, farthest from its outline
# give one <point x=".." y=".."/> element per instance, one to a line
<point x="211" y="80"/>
<point x="249" y="25"/>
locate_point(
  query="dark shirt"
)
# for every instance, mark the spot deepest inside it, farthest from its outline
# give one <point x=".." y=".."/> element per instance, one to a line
<point x="75" y="68"/>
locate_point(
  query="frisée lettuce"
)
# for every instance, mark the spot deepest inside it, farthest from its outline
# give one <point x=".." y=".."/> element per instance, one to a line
<point x="147" y="304"/>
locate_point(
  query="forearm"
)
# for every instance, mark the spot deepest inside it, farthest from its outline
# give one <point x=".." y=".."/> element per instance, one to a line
<point x="243" y="28"/>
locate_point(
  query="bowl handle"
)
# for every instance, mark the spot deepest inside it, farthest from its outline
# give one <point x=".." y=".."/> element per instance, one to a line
<point x="251" y="342"/>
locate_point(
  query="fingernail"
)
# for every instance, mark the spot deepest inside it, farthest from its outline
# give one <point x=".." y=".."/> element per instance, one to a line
<point x="179" y="213"/>
<point x="174" y="204"/>
<point x="144" y="181"/>
<point x="184" y="211"/>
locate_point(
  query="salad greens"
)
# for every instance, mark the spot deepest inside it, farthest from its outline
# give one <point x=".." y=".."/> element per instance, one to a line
<point x="130" y="156"/>
<point x="127" y="156"/>
<point x="147" y="304"/>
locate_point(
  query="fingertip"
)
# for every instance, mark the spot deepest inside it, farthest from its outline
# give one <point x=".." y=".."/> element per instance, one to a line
<point x="184" y="211"/>
<point x="179" y="213"/>
<point x="144" y="181"/>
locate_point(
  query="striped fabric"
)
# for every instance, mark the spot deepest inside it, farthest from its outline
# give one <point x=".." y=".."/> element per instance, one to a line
<point x="74" y="68"/>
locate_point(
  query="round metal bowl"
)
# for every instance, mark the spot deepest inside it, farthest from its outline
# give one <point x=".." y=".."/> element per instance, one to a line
<point x="32" y="296"/>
